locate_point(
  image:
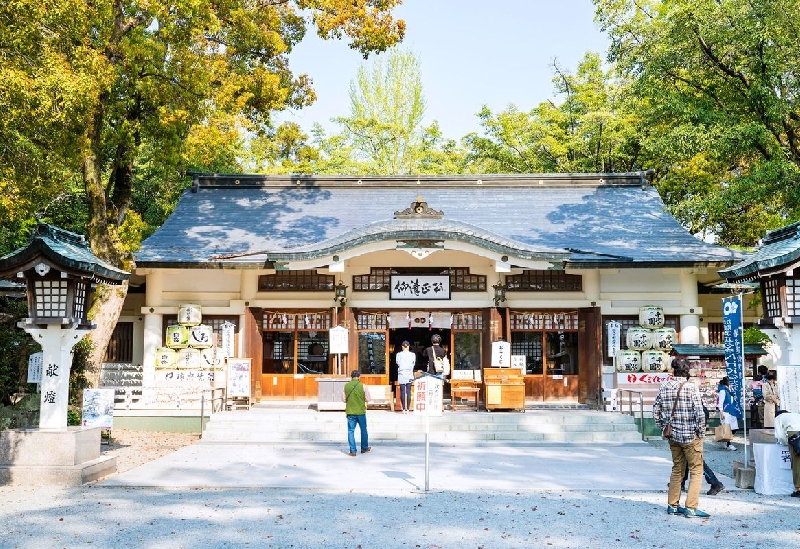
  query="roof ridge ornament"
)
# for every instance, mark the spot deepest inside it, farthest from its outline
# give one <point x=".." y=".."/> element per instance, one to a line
<point x="419" y="209"/>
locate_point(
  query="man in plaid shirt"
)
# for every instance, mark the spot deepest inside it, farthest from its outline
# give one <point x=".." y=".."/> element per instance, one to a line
<point x="686" y="444"/>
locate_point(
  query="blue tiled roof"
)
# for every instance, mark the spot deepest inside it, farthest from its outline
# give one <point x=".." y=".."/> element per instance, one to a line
<point x="68" y="250"/>
<point x="779" y="248"/>
<point x="583" y="219"/>
<point x="689" y="349"/>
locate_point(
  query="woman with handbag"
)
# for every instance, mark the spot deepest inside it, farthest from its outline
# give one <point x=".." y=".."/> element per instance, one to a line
<point x="726" y="408"/>
<point x="769" y="390"/>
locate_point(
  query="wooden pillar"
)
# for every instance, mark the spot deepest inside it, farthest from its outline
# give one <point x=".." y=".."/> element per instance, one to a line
<point x="590" y="354"/>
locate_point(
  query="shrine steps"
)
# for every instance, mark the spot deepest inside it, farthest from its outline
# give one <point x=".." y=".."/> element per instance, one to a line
<point x="271" y="424"/>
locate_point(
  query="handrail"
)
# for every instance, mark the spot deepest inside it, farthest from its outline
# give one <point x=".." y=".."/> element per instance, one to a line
<point x="630" y="407"/>
<point x="214" y="408"/>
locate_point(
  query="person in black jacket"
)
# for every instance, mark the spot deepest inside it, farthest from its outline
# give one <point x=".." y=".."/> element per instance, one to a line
<point x="434" y="350"/>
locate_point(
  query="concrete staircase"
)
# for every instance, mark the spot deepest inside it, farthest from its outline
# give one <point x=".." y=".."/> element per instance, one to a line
<point x="273" y="423"/>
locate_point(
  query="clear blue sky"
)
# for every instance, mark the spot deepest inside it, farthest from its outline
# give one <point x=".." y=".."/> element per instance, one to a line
<point x="473" y="52"/>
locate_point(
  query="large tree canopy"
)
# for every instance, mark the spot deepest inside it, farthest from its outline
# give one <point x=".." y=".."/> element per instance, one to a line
<point x="89" y="86"/>
<point x="382" y="135"/>
<point x="590" y="130"/>
<point x="716" y="87"/>
<point x="93" y="91"/>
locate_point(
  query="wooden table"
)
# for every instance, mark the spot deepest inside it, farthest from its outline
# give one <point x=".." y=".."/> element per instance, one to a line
<point x="464" y="390"/>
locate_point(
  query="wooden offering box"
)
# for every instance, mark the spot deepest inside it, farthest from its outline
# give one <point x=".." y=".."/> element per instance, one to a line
<point x="504" y="389"/>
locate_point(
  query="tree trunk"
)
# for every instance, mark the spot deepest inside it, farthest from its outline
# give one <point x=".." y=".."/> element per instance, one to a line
<point x="107" y="305"/>
<point x="105" y="312"/>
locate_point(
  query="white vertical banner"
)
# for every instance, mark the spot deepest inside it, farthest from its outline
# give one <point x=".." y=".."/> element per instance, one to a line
<point x="613" y="337"/>
<point x="227" y="339"/>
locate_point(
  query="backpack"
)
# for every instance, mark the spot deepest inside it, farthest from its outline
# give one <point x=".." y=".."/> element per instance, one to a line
<point x="441" y="364"/>
<point x="758" y="393"/>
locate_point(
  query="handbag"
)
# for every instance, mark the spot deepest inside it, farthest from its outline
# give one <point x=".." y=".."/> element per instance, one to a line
<point x="723" y="433"/>
<point x="794" y="442"/>
<point x="667" y="431"/>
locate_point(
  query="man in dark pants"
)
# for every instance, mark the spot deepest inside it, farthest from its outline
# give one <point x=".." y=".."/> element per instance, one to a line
<point x="678" y="404"/>
<point x="708" y="474"/>
<point x="711" y="478"/>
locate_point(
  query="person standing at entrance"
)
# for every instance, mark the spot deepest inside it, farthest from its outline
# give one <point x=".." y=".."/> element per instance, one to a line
<point x="435" y="350"/>
<point x="786" y="425"/>
<point x="355" y="407"/>
<point x="406" y="360"/>
<point x="771" y="400"/>
<point x="726" y="408"/>
<point x="678" y="404"/>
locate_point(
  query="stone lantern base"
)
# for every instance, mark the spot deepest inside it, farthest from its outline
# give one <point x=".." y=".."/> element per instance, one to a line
<point x="60" y="458"/>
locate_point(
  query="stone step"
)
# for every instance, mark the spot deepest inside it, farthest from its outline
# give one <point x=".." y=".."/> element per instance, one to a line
<point x="272" y="424"/>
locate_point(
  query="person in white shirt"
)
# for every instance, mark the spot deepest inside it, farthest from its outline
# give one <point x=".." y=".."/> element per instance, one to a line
<point x="786" y="425"/>
<point x="406" y="360"/>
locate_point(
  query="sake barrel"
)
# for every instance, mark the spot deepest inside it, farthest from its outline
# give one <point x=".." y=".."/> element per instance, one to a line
<point x="189" y="314"/>
<point x="200" y="336"/>
<point x="639" y="339"/>
<point x="654" y="361"/>
<point x="628" y="361"/>
<point x="651" y="316"/>
<point x="165" y="358"/>
<point x="188" y="359"/>
<point x="210" y="358"/>
<point x="664" y="338"/>
<point x="177" y="336"/>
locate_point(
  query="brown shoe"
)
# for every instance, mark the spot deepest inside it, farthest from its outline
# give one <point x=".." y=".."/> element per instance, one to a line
<point x="369" y="449"/>
<point x="352" y="454"/>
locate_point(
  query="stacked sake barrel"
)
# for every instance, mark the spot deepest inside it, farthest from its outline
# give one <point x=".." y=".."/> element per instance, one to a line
<point x="648" y="344"/>
<point x="190" y="344"/>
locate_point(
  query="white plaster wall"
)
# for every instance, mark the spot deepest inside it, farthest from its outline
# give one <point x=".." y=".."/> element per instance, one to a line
<point x="639" y="281"/>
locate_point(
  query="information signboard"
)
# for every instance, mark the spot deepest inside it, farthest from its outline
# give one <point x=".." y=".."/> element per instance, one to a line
<point x="98" y="408"/>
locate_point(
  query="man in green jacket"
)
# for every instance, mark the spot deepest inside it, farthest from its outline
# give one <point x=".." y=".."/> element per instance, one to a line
<point x="355" y="399"/>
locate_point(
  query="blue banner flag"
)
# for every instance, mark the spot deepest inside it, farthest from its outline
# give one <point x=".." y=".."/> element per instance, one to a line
<point x="734" y="349"/>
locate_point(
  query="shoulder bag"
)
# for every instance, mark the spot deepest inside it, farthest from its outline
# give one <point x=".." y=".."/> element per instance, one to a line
<point x="794" y="443"/>
<point x="667" y="431"/>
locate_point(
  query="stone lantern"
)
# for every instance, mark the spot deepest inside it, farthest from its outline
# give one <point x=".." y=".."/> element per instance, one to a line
<point x="60" y="273"/>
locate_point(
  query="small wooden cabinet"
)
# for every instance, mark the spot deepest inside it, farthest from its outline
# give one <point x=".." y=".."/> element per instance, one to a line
<point x="464" y="393"/>
<point x="503" y="389"/>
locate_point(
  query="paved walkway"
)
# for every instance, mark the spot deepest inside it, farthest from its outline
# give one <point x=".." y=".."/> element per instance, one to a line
<point x="401" y="467"/>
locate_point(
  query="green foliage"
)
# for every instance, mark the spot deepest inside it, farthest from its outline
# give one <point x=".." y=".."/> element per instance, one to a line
<point x="125" y="98"/>
<point x="73" y="417"/>
<point x="754" y="336"/>
<point x="15" y="348"/>
<point x="715" y="86"/>
<point x="77" y="374"/>
<point x="22" y="415"/>
<point x="590" y="130"/>
<point x="383" y="134"/>
<point x="387" y="105"/>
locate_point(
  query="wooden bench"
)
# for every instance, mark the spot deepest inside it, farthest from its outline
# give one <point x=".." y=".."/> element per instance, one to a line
<point x="462" y="390"/>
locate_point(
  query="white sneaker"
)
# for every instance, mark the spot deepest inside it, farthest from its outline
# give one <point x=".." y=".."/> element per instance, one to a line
<point x="732" y="448"/>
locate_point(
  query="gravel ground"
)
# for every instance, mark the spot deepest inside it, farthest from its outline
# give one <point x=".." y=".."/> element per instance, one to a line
<point x="155" y="518"/>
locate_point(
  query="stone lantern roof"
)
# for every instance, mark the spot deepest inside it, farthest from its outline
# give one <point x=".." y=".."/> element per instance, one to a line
<point x="63" y="250"/>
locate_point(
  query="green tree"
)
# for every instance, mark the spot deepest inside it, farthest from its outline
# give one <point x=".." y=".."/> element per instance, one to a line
<point x="715" y="84"/>
<point x="93" y="86"/>
<point x="383" y="134"/>
<point x="387" y="106"/>
<point x="590" y="130"/>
